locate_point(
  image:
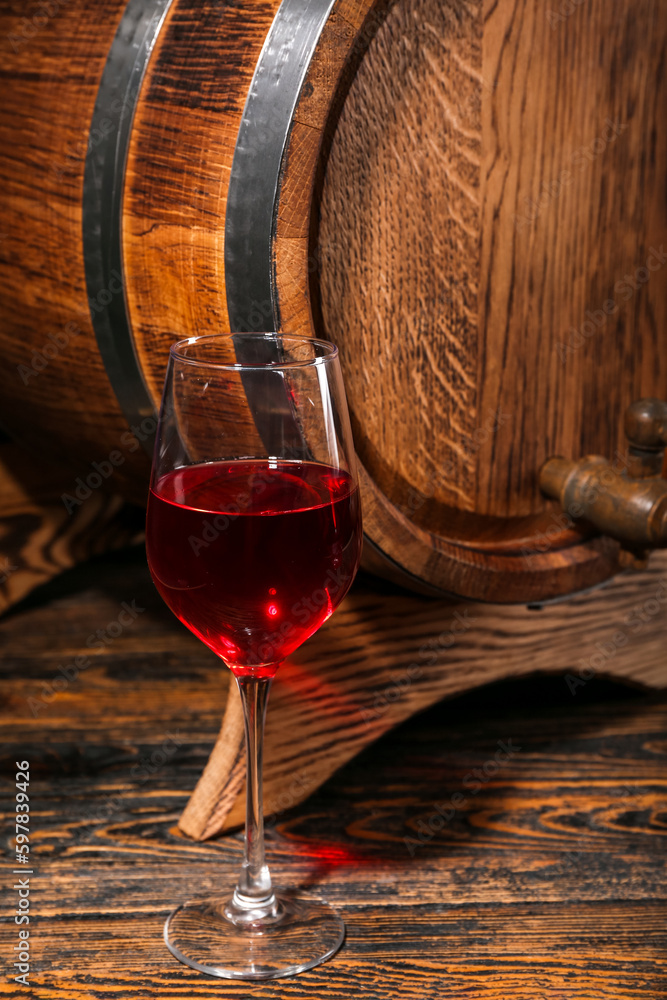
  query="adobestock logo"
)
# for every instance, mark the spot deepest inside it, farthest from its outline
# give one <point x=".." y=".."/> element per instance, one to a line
<point x="429" y="653"/>
<point x="28" y="27"/>
<point x="149" y="766"/>
<point x="636" y="621"/>
<point x="579" y="160"/>
<point x="55" y="344"/>
<point x="69" y="673"/>
<point x="58" y="342"/>
<point x="567" y="519"/>
<point x="596" y="319"/>
<point x="473" y="782"/>
<point x="468" y="445"/>
<point x="105" y="468"/>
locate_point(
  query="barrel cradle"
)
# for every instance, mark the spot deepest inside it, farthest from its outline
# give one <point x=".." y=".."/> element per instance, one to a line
<point x="485" y="247"/>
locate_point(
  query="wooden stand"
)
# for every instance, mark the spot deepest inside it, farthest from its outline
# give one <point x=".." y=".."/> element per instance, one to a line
<point x="386" y="655"/>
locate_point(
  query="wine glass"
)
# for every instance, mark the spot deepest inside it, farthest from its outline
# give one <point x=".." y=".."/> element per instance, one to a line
<point x="253" y="537"/>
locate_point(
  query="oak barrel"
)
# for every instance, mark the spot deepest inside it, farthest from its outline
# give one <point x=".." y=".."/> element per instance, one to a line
<point x="467" y="198"/>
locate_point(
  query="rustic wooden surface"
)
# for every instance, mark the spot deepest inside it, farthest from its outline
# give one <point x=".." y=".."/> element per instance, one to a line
<point x="39" y="535"/>
<point x="547" y="883"/>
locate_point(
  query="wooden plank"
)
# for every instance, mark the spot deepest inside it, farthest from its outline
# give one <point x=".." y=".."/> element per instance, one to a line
<point x="547" y="883"/>
<point x="178" y="170"/>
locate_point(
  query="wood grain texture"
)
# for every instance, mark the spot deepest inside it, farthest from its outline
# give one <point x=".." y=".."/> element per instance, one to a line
<point x="546" y="884"/>
<point x="295" y="259"/>
<point x="528" y="567"/>
<point x="493" y="138"/>
<point x="401" y="198"/>
<point x="39" y="535"/>
<point x="382" y="658"/>
<point x="357" y="110"/>
<point x="506" y="112"/>
<point x="50" y="70"/>
<point x="573" y="203"/>
<point x="178" y="171"/>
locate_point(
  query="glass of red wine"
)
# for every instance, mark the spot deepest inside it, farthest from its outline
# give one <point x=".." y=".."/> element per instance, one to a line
<point x="253" y="536"/>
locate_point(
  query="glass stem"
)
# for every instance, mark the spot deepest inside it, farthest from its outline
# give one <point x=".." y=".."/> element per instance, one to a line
<point x="254" y="890"/>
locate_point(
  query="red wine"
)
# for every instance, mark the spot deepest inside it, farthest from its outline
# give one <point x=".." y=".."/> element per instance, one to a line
<point x="253" y="555"/>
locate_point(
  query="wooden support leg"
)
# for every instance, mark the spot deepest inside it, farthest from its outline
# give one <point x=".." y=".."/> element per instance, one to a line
<point x="386" y="655"/>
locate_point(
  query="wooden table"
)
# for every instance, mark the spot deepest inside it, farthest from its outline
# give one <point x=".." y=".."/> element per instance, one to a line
<point x="546" y="882"/>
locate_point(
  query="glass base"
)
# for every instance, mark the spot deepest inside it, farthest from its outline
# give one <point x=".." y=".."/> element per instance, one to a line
<point x="286" y="937"/>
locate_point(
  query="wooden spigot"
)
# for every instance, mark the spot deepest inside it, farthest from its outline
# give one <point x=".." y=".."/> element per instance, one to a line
<point x="625" y="499"/>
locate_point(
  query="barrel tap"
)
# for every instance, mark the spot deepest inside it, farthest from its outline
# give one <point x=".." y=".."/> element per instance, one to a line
<point x="628" y="504"/>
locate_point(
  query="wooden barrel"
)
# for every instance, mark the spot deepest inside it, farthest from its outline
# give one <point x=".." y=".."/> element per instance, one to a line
<point x="468" y="199"/>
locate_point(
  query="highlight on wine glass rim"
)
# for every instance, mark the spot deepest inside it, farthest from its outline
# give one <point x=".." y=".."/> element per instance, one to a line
<point x="215" y="350"/>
